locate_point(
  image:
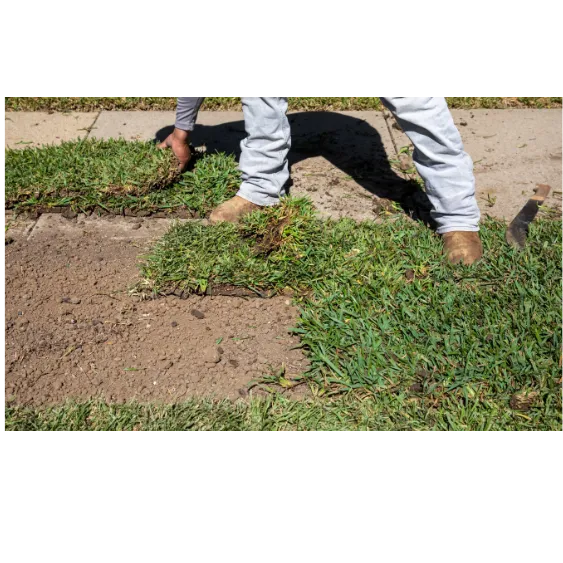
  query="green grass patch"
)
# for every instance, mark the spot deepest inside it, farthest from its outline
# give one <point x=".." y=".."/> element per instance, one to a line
<point x="115" y="175"/>
<point x="397" y="410"/>
<point x="382" y="311"/>
<point x="310" y="104"/>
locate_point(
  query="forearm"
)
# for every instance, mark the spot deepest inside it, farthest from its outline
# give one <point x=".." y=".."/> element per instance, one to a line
<point x="186" y="113"/>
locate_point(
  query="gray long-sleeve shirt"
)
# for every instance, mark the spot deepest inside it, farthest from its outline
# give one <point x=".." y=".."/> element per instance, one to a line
<point x="186" y="113"/>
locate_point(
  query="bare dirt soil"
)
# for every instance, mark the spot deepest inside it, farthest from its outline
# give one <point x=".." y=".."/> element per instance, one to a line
<point x="73" y="331"/>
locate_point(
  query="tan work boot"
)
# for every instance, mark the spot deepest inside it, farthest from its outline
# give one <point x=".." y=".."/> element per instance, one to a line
<point x="232" y="211"/>
<point x="462" y="246"/>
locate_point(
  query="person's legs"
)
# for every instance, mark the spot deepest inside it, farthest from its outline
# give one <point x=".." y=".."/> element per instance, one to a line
<point x="263" y="160"/>
<point x="447" y="171"/>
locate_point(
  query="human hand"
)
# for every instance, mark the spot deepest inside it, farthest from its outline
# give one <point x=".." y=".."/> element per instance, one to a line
<point x="178" y="141"/>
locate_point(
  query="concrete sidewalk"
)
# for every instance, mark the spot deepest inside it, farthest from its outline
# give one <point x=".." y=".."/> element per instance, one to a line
<point x="344" y="160"/>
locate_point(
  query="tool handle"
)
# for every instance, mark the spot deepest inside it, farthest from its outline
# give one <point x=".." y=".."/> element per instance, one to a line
<point x="542" y="191"/>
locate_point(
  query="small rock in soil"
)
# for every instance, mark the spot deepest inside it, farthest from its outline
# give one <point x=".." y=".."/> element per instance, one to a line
<point x="197" y="314"/>
<point x="405" y="162"/>
<point x="212" y="355"/>
<point x="69" y="213"/>
<point x="173" y="324"/>
<point x="136" y="226"/>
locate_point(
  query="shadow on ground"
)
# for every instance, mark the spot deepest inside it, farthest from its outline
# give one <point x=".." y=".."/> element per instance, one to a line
<point x="348" y="143"/>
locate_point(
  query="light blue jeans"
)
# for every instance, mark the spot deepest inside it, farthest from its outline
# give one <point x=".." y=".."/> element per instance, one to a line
<point x="447" y="170"/>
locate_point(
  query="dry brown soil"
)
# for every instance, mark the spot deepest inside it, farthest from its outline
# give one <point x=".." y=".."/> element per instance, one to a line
<point x="73" y="331"/>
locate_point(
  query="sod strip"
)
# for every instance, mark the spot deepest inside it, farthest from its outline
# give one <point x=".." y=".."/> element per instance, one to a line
<point x="115" y="176"/>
